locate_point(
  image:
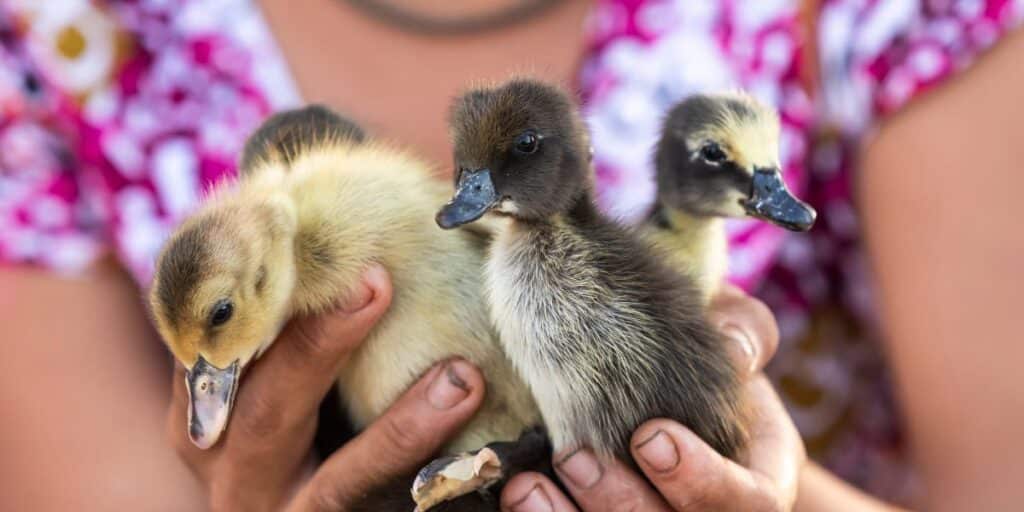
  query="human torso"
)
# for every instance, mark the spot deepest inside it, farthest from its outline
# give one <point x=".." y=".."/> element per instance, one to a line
<point x="400" y="84"/>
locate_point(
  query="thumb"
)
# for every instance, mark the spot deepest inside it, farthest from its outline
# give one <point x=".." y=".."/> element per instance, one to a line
<point x="296" y="372"/>
<point x="400" y="441"/>
<point x="748" y="327"/>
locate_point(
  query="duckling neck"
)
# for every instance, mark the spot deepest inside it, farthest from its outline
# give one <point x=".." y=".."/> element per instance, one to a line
<point x="695" y="244"/>
<point x="584" y="209"/>
<point x="581" y="211"/>
<point x="686" y="225"/>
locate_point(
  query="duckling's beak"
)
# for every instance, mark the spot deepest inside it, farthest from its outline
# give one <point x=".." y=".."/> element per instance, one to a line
<point x="772" y="201"/>
<point x="474" y="195"/>
<point x="211" y="393"/>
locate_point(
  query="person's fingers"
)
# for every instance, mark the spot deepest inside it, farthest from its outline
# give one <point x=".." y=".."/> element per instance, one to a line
<point x="601" y="485"/>
<point x="749" y="326"/>
<point x="285" y="386"/>
<point x="776" y="449"/>
<point x="401" y="440"/>
<point x="534" y="492"/>
<point x="274" y="415"/>
<point x="688" y="473"/>
<point x="692" y="477"/>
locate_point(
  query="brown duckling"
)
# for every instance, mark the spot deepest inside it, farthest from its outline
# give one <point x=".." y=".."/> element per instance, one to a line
<point x="603" y="331"/>
<point x="718" y="157"/>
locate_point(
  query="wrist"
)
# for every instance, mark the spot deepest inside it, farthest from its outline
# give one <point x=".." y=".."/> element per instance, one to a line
<point x="820" y="490"/>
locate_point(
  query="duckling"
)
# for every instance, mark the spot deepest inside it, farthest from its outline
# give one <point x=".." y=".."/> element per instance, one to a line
<point x="602" y="330"/>
<point x="284" y="136"/>
<point x="315" y="204"/>
<point x="718" y="157"/>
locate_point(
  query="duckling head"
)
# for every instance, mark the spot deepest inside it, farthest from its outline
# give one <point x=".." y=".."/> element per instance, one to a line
<point x="718" y="156"/>
<point x="520" y="150"/>
<point x="220" y="295"/>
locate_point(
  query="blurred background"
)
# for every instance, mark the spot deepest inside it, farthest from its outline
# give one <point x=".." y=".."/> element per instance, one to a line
<point x="900" y="126"/>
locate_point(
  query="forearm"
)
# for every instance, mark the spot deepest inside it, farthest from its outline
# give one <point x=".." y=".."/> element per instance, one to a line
<point x="820" y="491"/>
<point x="939" y="193"/>
<point x="83" y="388"/>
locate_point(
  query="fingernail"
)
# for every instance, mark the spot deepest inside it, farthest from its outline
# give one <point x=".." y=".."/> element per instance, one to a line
<point x="743" y="341"/>
<point x="582" y="468"/>
<point x="659" y="452"/>
<point x="448" y="387"/>
<point x="535" y="501"/>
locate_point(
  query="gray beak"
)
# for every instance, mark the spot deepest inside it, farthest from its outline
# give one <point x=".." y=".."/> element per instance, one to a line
<point x="211" y="393"/>
<point x="474" y="195"/>
<point x="772" y="201"/>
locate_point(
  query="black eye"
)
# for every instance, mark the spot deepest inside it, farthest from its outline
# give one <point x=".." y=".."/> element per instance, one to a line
<point x="712" y="153"/>
<point x="527" y="143"/>
<point x="221" y="312"/>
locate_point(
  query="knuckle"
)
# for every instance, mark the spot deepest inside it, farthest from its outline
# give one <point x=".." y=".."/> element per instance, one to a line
<point x="325" y="496"/>
<point x="626" y="502"/>
<point x="185" y="450"/>
<point x="769" y="328"/>
<point x="173" y="435"/>
<point x="694" y="498"/>
<point x="401" y="434"/>
<point x="764" y="500"/>
<point x="183" y="447"/>
<point x="259" y="417"/>
<point x="696" y="504"/>
<point x="309" y="340"/>
<point x="218" y="504"/>
<point x="222" y="498"/>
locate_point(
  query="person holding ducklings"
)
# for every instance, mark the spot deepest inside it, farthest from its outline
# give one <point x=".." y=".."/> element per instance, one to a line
<point x="119" y="115"/>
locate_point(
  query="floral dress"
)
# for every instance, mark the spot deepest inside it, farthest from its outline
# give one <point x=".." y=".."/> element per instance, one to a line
<point x="116" y="116"/>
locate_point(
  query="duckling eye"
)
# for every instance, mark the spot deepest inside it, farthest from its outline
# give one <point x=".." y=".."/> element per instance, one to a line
<point x="221" y="312"/>
<point x="527" y="143"/>
<point x="712" y="153"/>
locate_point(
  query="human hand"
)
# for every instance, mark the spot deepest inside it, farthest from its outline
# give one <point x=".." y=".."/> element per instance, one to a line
<point x="682" y="472"/>
<point x="263" y="462"/>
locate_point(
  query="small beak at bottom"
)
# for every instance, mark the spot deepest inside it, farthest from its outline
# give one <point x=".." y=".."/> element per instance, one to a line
<point x="474" y="195"/>
<point x="772" y="201"/>
<point x="211" y="393"/>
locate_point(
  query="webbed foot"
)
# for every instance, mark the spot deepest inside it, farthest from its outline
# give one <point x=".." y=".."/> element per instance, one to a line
<point x="449" y="477"/>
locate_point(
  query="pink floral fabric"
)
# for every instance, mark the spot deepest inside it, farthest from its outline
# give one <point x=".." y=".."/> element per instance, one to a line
<point x="116" y="116"/>
<point x="648" y="55"/>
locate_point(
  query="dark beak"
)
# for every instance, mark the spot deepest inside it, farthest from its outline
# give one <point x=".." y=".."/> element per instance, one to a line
<point x="474" y="195"/>
<point x="772" y="201"/>
<point x="211" y="393"/>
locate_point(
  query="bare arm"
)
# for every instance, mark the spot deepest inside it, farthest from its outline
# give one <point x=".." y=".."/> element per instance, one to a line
<point x="83" y="396"/>
<point x="822" y="491"/>
<point x="939" y="192"/>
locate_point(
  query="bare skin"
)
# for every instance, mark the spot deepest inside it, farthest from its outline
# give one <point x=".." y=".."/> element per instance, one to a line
<point x="403" y="92"/>
<point x="84" y="386"/>
<point x="944" y="289"/>
<point x="939" y="191"/>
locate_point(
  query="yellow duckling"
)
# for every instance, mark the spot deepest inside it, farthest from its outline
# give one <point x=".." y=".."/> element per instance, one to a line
<point x="718" y="157"/>
<point x="315" y="204"/>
